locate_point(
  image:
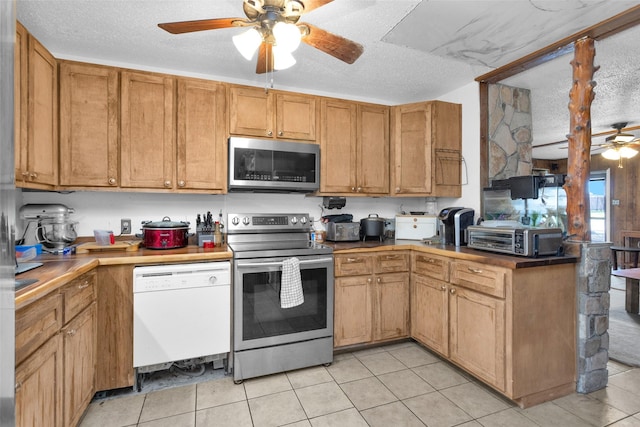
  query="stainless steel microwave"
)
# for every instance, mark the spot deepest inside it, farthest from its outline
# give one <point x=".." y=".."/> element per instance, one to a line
<point x="266" y="165"/>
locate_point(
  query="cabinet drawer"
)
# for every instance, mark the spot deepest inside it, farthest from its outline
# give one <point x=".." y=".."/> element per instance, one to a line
<point x="78" y="294"/>
<point x="431" y="266"/>
<point x="353" y="265"/>
<point x="391" y="262"/>
<point x="480" y="277"/>
<point x="36" y="323"/>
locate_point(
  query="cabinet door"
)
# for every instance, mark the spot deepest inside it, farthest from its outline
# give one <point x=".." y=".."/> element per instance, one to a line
<point x="373" y="149"/>
<point x="114" y="368"/>
<point x="446" y="135"/>
<point x="391" y="319"/>
<point x="412" y="151"/>
<point x="250" y="112"/>
<point x="353" y="311"/>
<point x="477" y="334"/>
<point x="147" y="131"/>
<point x="39" y="386"/>
<point x="338" y="146"/>
<point x="79" y="364"/>
<point x="88" y="125"/>
<point x="42" y="116"/>
<point x="430" y="313"/>
<point x="20" y="87"/>
<point x="296" y="116"/>
<point x="201" y="135"/>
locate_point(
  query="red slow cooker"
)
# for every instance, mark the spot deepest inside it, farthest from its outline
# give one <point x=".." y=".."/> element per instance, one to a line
<point x="165" y="234"/>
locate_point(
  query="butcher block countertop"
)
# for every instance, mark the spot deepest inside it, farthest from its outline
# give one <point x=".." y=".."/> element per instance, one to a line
<point x="462" y="253"/>
<point x="58" y="270"/>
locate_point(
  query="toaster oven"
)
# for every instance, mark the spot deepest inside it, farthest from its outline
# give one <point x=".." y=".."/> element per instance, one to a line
<point x="529" y="242"/>
<point x="343" y="231"/>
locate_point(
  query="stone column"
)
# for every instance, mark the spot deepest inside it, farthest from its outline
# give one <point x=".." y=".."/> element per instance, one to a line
<point x="593" y="282"/>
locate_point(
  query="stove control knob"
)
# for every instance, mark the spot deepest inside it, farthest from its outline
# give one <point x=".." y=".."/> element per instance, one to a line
<point x="294" y="220"/>
<point x="246" y="220"/>
<point x="235" y="220"/>
<point x="303" y="220"/>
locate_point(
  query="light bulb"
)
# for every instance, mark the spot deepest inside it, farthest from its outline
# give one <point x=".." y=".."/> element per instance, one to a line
<point x="282" y="59"/>
<point x="287" y="36"/>
<point x="627" y="152"/>
<point x="247" y="43"/>
<point x="611" y="154"/>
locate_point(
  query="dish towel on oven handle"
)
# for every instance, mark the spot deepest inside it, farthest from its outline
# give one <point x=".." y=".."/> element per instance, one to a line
<point x="291" y="284"/>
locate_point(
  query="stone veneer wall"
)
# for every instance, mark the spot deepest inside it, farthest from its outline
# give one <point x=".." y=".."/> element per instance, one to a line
<point x="593" y="282"/>
<point x="510" y="132"/>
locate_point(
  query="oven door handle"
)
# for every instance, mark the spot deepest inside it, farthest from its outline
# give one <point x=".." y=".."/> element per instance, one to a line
<point x="279" y="263"/>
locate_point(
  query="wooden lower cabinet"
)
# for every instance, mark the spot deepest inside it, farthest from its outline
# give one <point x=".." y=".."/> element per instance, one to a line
<point x="371" y="298"/>
<point x="514" y="329"/>
<point x="79" y="364"/>
<point x="115" y="327"/>
<point x="39" y="386"/>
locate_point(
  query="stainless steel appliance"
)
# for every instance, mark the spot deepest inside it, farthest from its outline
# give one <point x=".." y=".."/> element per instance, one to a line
<point x="181" y="315"/>
<point x="343" y="231"/>
<point x="454" y="221"/>
<point x="266" y="165"/>
<point x="268" y="338"/>
<point x="49" y="224"/>
<point x="529" y="242"/>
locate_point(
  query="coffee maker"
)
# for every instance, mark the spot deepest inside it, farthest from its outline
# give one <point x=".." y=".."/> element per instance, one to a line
<point x="453" y="225"/>
<point x="48" y="224"/>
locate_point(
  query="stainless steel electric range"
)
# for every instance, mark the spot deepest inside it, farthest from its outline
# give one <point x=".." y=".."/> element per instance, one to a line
<point x="270" y="335"/>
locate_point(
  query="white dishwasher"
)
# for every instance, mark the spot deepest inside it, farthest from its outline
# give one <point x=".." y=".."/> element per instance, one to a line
<point x="180" y="312"/>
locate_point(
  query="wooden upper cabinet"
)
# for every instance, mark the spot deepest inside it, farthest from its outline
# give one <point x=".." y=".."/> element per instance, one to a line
<point x="338" y="149"/>
<point x="201" y="145"/>
<point x="270" y="114"/>
<point x="147" y="130"/>
<point x="373" y="149"/>
<point x="426" y="152"/>
<point x="20" y="102"/>
<point x="88" y="125"/>
<point x="36" y="110"/>
<point x="354" y="148"/>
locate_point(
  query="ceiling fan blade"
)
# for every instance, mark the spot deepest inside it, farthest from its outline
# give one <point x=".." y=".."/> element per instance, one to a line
<point x="310" y="5"/>
<point x="202" y="25"/>
<point x="332" y="44"/>
<point x="265" y="58"/>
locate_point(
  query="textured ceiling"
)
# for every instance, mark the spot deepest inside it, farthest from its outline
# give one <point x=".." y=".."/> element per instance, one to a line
<point x="413" y="50"/>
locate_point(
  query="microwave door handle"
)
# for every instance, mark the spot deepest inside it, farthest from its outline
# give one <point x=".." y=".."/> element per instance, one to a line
<point x="279" y="264"/>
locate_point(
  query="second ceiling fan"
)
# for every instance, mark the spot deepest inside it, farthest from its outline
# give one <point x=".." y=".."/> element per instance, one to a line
<point x="264" y="16"/>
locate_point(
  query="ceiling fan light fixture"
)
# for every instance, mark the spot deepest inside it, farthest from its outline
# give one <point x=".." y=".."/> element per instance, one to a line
<point x="287" y="36"/>
<point x="620" y="138"/>
<point x="247" y="43"/>
<point x="282" y="59"/>
<point x="627" y="152"/>
<point x="611" y="154"/>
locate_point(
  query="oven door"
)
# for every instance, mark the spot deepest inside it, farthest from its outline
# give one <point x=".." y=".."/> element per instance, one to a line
<point x="259" y="320"/>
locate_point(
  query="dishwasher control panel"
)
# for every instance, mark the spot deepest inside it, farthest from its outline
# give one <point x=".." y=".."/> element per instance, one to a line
<point x="181" y="276"/>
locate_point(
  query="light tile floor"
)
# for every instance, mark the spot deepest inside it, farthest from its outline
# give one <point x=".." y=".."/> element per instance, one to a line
<point x="396" y="385"/>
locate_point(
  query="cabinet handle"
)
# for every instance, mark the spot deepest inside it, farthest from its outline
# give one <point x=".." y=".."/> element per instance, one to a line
<point x="181" y="183"/>
<point x="269" y="133"/>
<point x="112" y="181"/>
<point x="359" y="189"/>
<point x="353" y="188"/>
<point x="84" y="285"/>
<point x="397" y="189"/>
<point x="452" y="291"/>
<point x="369" y="280"/>
<point x="25" y="174"/>
<point x="443" y="288"/>
<point x="33" y="175"/>
<point x="474" y="270"/>
<point x="415" y="226"/>
<point x="379" y="280"/>
<point x="280" y="133"/>
<point x="71" y="332"/>
<point x="167" y="184"/>
<point x="352" y="259"/>
<point x="18" y="385"/>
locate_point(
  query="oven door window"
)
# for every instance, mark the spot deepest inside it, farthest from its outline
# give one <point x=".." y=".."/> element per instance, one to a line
<point x="262" y="316"/>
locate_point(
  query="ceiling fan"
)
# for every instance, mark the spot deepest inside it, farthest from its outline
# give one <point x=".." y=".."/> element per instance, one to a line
<point x="264" y="16"/>
<point x="619" y="145"/>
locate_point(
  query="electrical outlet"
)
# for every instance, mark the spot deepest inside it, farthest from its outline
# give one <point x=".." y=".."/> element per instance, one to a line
<point x="125" y="226"/>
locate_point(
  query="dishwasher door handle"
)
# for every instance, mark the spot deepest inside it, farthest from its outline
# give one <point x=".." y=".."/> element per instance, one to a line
<point x="279" y="263"/>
